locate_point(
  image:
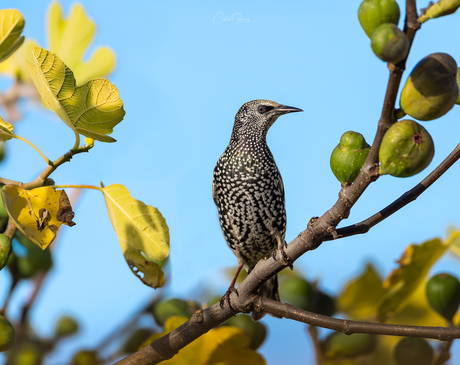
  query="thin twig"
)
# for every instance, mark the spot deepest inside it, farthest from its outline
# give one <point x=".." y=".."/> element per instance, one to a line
<point x="14" y="282"/>
<point x="349" y="327"/>
<point x="41" y="179"/>
<point x="313" y="332"/>
<point x="444" y="354"/>
<point x="444" y="349"/>
<point x="130" y="323"/>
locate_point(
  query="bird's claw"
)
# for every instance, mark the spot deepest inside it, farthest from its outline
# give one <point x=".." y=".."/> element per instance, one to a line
<point x="287" y="260"/>
<point x="226" y="297"/>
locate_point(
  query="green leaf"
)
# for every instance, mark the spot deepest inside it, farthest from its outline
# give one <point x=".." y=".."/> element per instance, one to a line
<point x="93" y="109"/>
<point x="140" y="229"/>
<point x="70" y="38"/>
<point x="6" y="130"/>
<point x="360" y="297"/>
<point x="11" y="26"/>
<point x="414" y="265"/>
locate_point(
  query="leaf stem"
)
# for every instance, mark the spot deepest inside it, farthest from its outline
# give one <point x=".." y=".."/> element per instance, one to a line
<point x="75" y="186"/>
<point x="77" y="140"/>
<point x="41" y="179"/>
<point x="48" y="161"/>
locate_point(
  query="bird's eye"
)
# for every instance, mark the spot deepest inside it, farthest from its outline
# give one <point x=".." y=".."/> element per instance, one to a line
<point x="261" y="109"/>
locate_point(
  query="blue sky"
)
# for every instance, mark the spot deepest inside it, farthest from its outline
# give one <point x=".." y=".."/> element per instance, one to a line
<point x="183" y="74"/>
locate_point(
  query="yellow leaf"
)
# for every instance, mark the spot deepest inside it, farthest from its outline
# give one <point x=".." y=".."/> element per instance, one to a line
<point x="152" y="275"/>
<point x="6" y="130"/>
<point x="11" y="26"/>
<point x="413" y="267"/>
<point x="16" y="65"/>
<point x="224" y="345"/>
<point x="360" y="297"/>
<point x="140" y="229"/>
<point x="173" y="322"/>
<point x="149" y="340"/>
<point x="34" y="212"/>
<point x="454" y="238"/>
<point x="70" y="38"/>
<point x="93" y="109"/>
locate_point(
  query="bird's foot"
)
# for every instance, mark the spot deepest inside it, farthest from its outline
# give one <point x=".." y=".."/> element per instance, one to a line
<point x="226" y="298"/>
<point x="287" y="260"/>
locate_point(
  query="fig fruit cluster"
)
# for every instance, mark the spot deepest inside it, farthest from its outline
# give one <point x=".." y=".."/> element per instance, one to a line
<point x="379" y="20"/>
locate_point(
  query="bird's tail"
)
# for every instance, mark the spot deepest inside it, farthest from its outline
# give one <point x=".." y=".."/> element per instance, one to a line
<point x="268" y="290"/>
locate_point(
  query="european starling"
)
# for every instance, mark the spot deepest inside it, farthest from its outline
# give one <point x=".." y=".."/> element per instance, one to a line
<point x="249" y="192"/>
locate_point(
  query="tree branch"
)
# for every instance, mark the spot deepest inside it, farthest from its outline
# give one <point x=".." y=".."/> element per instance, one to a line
<point x="349" y="327"/>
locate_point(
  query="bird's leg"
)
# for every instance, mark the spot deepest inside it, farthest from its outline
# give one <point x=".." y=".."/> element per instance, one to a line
<point x="281" y="245"/>
<point x="231" y="289"/>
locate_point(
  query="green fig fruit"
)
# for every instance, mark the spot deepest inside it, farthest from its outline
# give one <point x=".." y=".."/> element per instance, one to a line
<point x="85" y="357"/>
<point x="431" y="89"/>
<point x="406" y="149"/>
<point x="66" y="326"/>
<point x="256" y="331"/>
<point x="458" y="84"/>
<point x="372" y="13"/>
<point x="5" y="249"/>
<point x="413" y="350"/>
<point x="441" y="8"/>
<point x="338" y="344"/>
<point x="135" y="340"/>
<point x="389" y="43"/>
<point x="172" y="307"/>
<point x="349" y="156"/>
<point x="7" y="334"/>
<point x="298" y="292"/>
<point x="443" y="293"/>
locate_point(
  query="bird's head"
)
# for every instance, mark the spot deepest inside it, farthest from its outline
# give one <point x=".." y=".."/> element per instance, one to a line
<point x="257" y="116"/>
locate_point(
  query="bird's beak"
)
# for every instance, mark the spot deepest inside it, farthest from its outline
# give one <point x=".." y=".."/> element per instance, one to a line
<point x="284" y="109"/>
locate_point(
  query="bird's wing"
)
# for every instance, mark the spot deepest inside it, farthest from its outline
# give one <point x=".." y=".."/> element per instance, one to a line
<point x="281" y="186"/>
<point x="214" y="192"/>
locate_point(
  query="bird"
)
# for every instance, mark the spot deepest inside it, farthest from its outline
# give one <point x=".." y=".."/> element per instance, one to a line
<point x="249" y="193"/>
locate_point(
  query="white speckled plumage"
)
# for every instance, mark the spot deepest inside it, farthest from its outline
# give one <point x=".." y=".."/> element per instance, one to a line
<point x="248" y="189"/>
